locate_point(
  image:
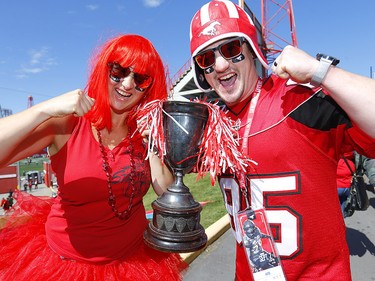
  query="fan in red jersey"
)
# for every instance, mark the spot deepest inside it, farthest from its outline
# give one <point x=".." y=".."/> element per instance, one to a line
<point x="295" y="124"/>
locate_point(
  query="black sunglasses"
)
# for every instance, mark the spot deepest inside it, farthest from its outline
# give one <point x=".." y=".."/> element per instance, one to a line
<point x="229" y="49"/>
<point x="117" y="72"/>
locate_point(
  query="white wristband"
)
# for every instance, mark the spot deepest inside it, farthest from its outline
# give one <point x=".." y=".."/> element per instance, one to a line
<point x="320" y="72"/>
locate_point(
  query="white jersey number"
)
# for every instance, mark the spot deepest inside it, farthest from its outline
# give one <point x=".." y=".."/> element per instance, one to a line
<point x="286" y="220"/>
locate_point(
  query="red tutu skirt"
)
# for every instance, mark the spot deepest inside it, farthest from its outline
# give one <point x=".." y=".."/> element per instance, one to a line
<point x="25" y="254"/>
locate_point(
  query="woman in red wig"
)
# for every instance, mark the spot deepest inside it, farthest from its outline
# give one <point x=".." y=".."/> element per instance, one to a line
<point x="93" y="229"/>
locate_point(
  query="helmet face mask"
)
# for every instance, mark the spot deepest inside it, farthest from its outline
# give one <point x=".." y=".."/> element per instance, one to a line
<point x="217" y="20"/>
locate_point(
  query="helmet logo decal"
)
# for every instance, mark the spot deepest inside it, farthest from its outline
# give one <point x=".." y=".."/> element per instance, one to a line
<point x="210" y="30"/>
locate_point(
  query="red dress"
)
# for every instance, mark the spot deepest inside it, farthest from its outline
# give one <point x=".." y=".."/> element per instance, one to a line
<point x="82" y="239"/>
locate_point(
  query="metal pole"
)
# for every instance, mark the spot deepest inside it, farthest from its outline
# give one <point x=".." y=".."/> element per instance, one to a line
<point x="18" y="175"/>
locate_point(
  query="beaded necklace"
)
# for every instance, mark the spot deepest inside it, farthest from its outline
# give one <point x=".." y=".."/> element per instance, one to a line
<point x="108" y="172"/>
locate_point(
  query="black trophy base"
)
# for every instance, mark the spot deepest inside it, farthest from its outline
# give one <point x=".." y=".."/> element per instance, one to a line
<point x="184" y="243"/>
<point x="175" y="229"/>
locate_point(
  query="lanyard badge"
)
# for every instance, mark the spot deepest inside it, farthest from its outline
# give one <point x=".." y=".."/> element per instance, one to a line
<point x="257" y="241"/>
<point x="259" y="246"/>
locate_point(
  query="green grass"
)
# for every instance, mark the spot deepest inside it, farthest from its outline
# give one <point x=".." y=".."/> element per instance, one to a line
<point x="202" y="191"/>
<point x="36" y="164"/>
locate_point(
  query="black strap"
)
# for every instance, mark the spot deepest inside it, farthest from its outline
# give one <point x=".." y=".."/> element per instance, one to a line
<point x="359" y="166"/>
<point x="347" y="164"/>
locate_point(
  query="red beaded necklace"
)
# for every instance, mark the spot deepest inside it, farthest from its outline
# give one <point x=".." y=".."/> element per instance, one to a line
<point x="108" y="172"/>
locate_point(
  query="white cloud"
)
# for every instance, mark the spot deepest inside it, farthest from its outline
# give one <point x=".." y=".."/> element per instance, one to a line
<point x="92" y="7"/>
<point x="39" y="61"/>
<point x="153" y="3"/>
<point x="31" y="70"/>
<point x="38" y="55"/>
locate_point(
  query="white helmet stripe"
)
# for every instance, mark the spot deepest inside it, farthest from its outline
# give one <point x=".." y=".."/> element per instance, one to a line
<point x="205" y="14"/>
<point x="233" y="13"/>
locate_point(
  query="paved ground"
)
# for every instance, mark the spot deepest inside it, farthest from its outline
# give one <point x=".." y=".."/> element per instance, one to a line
<point x="42" y="190"/>
<point x="217" y="261"/>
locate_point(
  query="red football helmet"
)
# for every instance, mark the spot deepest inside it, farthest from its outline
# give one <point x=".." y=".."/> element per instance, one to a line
<point x="217" y="20"/>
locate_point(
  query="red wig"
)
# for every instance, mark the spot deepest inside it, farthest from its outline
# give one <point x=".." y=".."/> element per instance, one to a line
<point x="127" y="50"/>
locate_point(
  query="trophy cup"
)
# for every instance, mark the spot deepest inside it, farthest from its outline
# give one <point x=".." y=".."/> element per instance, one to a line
<point x="175" y="226"/>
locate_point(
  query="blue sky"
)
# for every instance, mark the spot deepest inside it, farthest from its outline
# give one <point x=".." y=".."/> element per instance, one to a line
<point x="45" y="45"/>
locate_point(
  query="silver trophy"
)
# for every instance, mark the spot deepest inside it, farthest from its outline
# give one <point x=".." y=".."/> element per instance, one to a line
<point x="175" y="226"/>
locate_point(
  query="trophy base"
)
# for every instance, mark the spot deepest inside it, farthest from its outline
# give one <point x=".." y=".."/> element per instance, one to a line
<point x="182" y="243"/>
<point x="175" y="229"/>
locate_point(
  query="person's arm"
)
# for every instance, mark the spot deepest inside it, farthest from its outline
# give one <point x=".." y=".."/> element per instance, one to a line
<point x="354" y="93"/>
<point x="161" y="176"/>
<point x="28" y="132"/>
<point x="369" y="167"/>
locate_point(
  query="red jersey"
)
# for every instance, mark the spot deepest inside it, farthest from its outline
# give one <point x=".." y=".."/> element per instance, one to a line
<point x="296" y="138"/>
<point x="81" y="215"/>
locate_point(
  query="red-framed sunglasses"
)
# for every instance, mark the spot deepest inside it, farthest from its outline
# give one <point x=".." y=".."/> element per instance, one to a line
<point x="229" y="49"/>
<point x="117" y="72"/>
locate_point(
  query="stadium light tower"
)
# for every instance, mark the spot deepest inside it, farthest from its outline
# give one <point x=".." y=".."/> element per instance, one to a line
<point x="277" y="17"/>
<point x="277" y="28"/>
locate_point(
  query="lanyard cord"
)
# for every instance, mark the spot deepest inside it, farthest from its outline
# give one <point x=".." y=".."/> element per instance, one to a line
<point x="280" y="121"/>
<point x="242" y="177"/>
